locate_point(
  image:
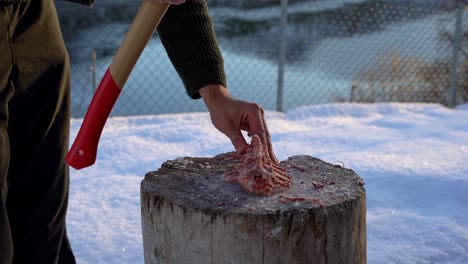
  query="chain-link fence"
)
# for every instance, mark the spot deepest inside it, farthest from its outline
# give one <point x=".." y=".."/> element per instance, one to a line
<point x="283" y="55"/>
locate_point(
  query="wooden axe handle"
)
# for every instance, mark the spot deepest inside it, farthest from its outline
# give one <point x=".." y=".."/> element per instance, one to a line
<point x="83" y="151"/>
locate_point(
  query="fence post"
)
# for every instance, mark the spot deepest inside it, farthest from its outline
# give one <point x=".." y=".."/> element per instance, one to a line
<point x="456" y="48"/>
<point x="282" y="54"/>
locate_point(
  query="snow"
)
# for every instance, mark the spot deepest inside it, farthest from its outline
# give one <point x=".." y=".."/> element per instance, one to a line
<point x="413" y="158"/>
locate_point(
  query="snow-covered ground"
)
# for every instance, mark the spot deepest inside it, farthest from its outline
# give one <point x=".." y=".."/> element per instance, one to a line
<point x="413" y="158"/>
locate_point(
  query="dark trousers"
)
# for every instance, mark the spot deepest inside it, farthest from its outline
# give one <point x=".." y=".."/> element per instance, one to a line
<point x="34" y="127"/>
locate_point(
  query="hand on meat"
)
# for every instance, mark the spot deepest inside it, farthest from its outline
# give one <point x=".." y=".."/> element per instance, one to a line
<point x="257" y="173"/>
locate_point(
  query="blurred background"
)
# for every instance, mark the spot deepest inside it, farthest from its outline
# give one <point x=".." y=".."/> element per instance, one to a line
<point x="285" y="54"/>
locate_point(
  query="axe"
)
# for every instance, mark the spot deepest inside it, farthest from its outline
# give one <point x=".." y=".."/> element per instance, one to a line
<point x="83" y="151"/>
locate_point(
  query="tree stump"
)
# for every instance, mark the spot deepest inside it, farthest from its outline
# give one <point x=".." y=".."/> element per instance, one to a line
<point x="191" y="215"/>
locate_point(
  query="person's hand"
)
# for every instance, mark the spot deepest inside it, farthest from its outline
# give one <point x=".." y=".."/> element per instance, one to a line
<point x="172" y="2"/>
<point x="230" y="116"/>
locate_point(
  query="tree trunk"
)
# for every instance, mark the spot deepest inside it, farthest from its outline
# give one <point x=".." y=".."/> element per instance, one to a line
<point x="191" y="215"/>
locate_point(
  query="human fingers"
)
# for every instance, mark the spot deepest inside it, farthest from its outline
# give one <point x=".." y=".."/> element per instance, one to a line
<point x="264" y="134"/>
<point x="268" y="139"/>
<point x="238" y="141"/>
<point x="256" y="125"/>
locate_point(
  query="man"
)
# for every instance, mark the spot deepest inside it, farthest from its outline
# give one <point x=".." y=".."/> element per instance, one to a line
<point x="35" y="115"/>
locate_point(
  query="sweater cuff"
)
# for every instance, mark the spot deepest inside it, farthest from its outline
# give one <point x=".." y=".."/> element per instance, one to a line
<point x="200" y="76"/>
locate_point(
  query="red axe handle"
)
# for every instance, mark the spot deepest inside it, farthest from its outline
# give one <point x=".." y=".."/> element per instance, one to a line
<point x="83" y="151"/>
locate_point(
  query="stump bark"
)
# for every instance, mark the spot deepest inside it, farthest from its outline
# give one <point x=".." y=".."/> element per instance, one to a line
<point x="191" y="215"/>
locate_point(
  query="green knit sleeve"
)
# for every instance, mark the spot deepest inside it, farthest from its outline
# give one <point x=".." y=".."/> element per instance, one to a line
<point x="187" y="34"/>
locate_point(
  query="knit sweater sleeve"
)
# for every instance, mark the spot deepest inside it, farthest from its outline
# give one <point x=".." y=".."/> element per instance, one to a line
<point x="187" y="34"/>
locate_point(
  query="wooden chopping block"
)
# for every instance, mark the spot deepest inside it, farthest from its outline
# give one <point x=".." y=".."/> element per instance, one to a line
<point x="191" y="215"/>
